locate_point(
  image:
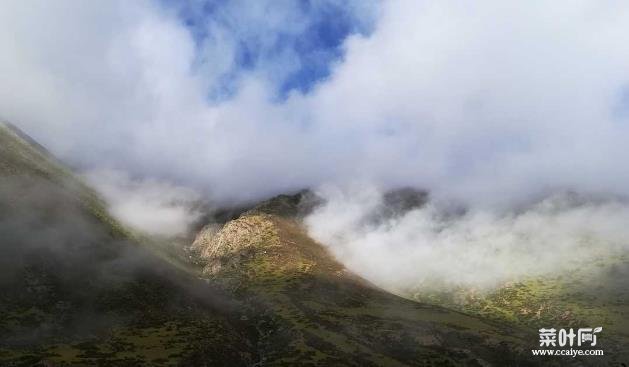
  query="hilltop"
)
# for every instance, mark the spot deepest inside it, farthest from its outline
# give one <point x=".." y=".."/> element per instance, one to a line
<point x="318" y="311"/>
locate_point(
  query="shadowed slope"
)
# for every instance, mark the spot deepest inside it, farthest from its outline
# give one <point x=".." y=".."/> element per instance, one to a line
<point x="75" y="288"/>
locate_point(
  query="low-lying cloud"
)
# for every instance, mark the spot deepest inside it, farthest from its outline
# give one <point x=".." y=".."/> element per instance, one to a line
<point x="436" y="246"/>
<point x="150" y="206"/>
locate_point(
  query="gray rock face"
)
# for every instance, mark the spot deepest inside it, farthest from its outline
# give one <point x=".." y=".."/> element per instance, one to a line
<point x="227" y="246"/>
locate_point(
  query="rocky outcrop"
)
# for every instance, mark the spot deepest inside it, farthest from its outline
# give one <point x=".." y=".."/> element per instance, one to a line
<point x="238" y="240"/>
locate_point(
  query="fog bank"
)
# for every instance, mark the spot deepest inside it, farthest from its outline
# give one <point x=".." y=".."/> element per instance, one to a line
<point x="433" y="245"/>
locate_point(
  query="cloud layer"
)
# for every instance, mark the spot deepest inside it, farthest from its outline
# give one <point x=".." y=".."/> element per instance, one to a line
<point x="486" y="102"/>
<point x="150" y="206"/>
<point x="433" y="246"/>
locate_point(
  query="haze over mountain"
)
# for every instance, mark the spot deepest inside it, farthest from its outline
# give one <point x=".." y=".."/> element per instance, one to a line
<point x="79" y="289"/>
<point x="330" y="170"/>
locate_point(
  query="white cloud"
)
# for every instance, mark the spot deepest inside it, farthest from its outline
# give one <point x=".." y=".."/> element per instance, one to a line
<point x="489" y="102"/>
<point x="429" y="247"/>
<point x="150" y="206"/>
<point x="486" y="101"/>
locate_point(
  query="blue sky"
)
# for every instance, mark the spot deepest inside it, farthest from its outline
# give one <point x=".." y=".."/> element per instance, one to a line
<point x="312" y="38"/>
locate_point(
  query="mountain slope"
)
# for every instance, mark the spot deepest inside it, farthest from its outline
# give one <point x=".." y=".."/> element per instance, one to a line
<point x="76" y="288"/>
<point x="320" y="313"/>
<point x="592" y="295"/>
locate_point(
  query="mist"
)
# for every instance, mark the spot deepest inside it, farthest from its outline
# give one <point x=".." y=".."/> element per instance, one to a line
<point x="438" y="246"/>
<point x="496" y="107"/>
<point x="147" y="205"/>
<point x="58" y="258"/>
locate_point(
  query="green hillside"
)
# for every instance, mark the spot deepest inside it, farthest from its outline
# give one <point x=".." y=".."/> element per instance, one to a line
<point x="318" y="312"/>
<point x="77" y="289"/>
<point x="593" y="294"/>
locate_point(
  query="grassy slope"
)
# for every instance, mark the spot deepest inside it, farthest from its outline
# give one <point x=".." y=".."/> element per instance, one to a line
<point x="594" y="294"/>
<point x="319" y="313"/>
<point x="283" y="301"/>
<point x="19" y="156"/>
<point x="77" y="288"/>
<point x="294" y="304"/>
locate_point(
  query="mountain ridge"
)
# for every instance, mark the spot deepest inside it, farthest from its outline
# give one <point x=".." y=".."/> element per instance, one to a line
<point x="267" y="294"/>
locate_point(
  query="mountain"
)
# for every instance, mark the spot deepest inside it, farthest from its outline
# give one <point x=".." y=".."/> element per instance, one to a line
<point x="317" y="311"/>
<point x="593" y="294"/>
<point x="78" y="288"/>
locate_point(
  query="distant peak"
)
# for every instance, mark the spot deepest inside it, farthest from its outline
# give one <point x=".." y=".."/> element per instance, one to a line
<point x="295" y="205"/>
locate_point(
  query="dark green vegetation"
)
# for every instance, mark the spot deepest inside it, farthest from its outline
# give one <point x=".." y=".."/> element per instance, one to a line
<point x="593" y="294"/>
<point x="77" y="288"/>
